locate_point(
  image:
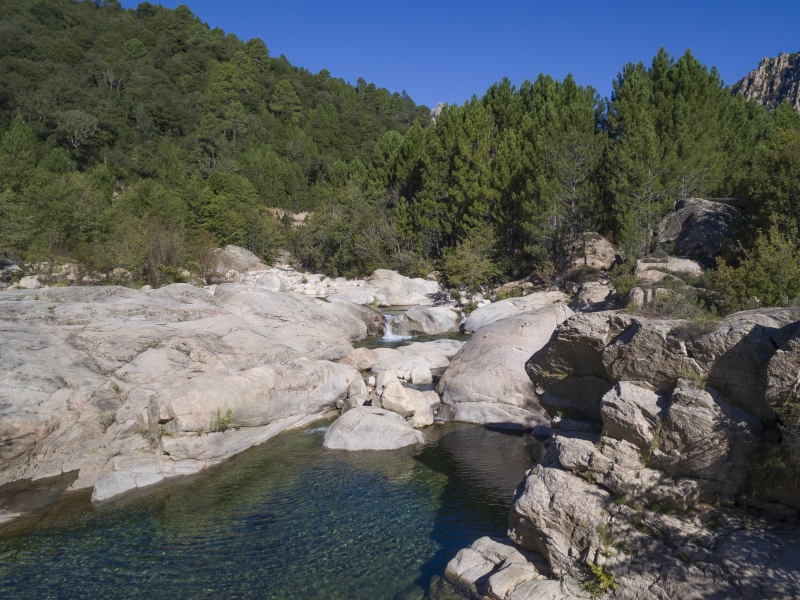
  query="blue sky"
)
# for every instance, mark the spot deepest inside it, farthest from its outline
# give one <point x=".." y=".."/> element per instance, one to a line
<point x="446" y="50"/>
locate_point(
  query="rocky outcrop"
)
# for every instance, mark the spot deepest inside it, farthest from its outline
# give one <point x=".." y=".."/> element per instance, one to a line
<point x="670" y="264"/>
<point x="495" y="568"/>
<point x="491" y="313"/>
<point x="592" y="542"/>
<point x="486" y="381"/>
<point x="594" y="296"/>
<point x="590" y="352"/>
<point x="271" y="282"/>
<point x="370" y="428"/>
<point x="128" y="387"/>
<point x="775" y="80"/>
<point x="698" y="229"/>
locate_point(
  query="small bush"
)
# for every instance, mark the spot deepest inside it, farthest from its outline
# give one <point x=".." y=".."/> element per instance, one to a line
<point x="623" y="279"/>
<point x="600" y="581"/>
<point x="766" y="276"/>
<point x="221" y="424"/>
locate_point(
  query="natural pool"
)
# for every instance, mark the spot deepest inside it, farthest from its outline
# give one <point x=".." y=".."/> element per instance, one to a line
<point x="285" y="520"/>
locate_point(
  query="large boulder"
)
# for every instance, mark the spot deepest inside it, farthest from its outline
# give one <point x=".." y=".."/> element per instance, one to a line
<point x="594" y="251"/>
<point x="128" y="387"/>
<point x="594" y="296"/>
<point x="698" y="229"/>
<point x="431" y="320"/>
<point x="389" y="288"/>
<point x="403" y="361"/>
<point x="369" y="428"/>
<point x="486" y="381"/>
<point x="496" y="311"/>
<point x="271" y="282"/>
<point x="234" y="258"/>
<point x="494" y="568"/>
<point x="670" y="264"/>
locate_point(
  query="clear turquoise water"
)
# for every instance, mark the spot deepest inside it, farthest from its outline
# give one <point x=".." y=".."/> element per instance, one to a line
<point x="286" y="520"/>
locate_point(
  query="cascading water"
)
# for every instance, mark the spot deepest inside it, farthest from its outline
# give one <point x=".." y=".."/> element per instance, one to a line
<point x="391" y="324"/>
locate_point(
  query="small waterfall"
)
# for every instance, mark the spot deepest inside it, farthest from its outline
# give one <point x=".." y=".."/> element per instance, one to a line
<point x="390" y="323"/>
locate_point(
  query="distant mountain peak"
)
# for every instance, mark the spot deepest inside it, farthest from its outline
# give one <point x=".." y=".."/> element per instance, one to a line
<point x="775" y="80"/>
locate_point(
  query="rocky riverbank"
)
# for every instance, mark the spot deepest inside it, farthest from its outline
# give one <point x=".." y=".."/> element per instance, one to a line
<point x="654" y="484"/>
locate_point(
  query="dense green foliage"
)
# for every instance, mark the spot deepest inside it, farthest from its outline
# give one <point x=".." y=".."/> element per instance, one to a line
<point x="142" y="138"/>
<point x="118" y="123"/>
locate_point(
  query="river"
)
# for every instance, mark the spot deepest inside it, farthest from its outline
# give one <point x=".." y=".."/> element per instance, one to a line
<point x="285" y="520"/>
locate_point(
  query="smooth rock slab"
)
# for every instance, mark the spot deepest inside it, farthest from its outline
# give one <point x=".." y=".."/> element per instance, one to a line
<point x="368" y="428"/>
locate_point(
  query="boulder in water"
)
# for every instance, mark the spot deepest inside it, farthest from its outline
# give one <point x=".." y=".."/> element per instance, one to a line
<point x="431" y="321"/>
<point x="370" y="428"/>
<point x="486" y="382"/>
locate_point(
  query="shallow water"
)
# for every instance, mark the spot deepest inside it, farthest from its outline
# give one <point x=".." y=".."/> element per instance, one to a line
<point x="286" y="520"/>
<point x="373" y="342"/>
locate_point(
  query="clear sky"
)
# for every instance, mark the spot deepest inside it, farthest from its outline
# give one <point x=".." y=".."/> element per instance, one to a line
<point x="446" y="51"/>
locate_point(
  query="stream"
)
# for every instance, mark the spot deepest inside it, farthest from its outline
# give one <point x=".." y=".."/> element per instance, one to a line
<point x="284" y="520"/>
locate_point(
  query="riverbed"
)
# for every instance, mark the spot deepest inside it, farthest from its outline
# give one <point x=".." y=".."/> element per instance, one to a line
<point x="285" y="520"/>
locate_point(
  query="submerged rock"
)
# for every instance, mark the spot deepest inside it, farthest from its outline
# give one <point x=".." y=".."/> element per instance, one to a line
<point x="369" y="428"/>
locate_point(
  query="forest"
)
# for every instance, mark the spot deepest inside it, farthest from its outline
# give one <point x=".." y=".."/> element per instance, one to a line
<point x="137" y="141"/>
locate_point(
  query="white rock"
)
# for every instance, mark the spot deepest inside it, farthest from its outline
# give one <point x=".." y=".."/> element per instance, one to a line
<point x="369" y="428"/>
<point x="396" y="398"/>
<point x="271" y="282"/>
<point x="503" y="309"/>
<point x="421" y="375"/>
<point x="29" y="283"/>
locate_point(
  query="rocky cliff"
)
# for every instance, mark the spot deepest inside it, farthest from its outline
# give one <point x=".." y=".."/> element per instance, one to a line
<point x="775" y="80"/>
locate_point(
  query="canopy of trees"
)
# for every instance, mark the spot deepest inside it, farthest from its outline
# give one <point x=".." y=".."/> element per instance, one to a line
<point x="120" y="124"/>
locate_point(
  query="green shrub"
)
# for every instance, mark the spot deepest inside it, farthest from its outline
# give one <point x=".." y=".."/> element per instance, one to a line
<point x="623" y="279"/>
<point x="600" y="581"/>
<point x="768" y="275"/>
<point x="473" y="262"/>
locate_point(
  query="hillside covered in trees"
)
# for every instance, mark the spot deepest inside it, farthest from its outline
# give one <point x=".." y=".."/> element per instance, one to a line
<point x="139" y="139"/>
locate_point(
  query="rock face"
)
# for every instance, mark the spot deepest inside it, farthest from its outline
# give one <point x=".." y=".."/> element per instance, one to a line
<point x="491" y="313"/>
<point x="128" y="387"/>
<point x="370" y="428"/>
<point x="775" y="80"/>
<point x="486" y="381"/>
<point x="714" y="553"/>
<point x="682" y="413"/>
<point x="698" y="229"/>
<point x="589" y="352"/>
